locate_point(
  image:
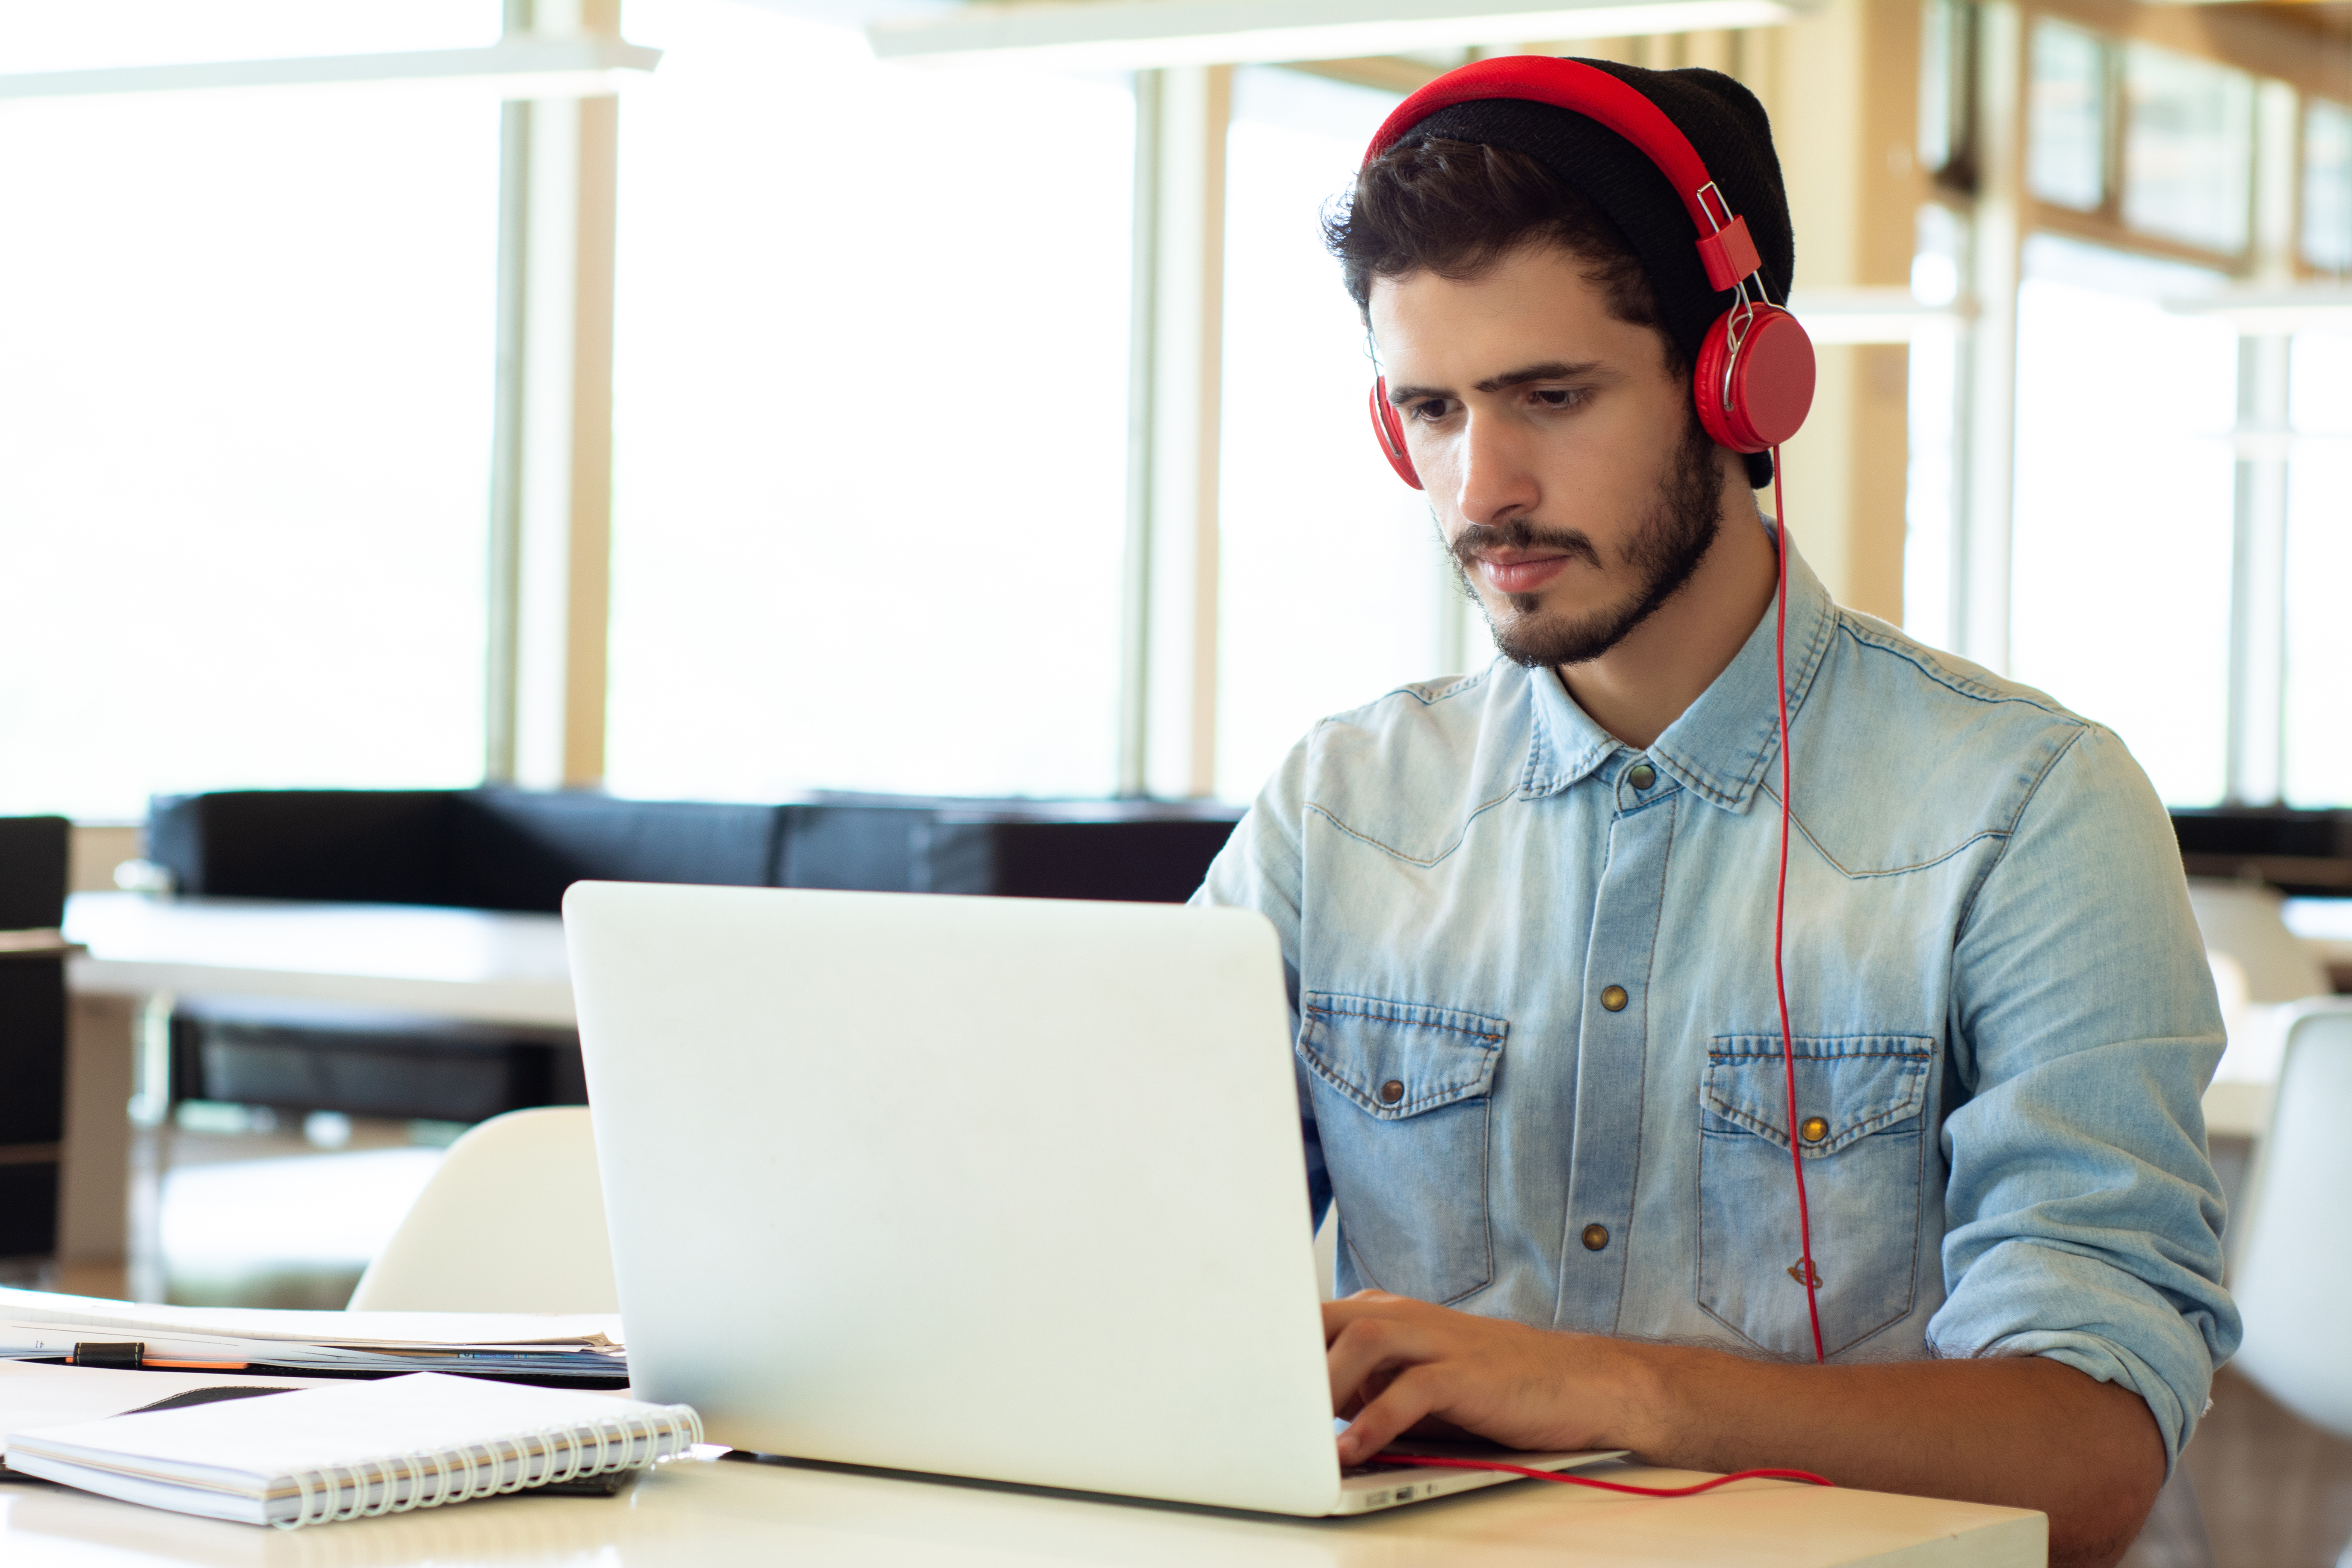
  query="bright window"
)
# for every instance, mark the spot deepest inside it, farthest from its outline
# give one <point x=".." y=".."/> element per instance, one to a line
<point x="2066" y="152"/>
<point x="2126" y="491"/>
<point x="2318" y="566"/>
<point x="870" y="424"/>
<point x="245" y="400"/>
<point x="1332" y="588"/>
<point x="1931" y="485"/>
<point x="2327" y="185"/>
<point x="2188" y="149"/>
<point x="1946" y="77"/>
<point x="94" y="35"/>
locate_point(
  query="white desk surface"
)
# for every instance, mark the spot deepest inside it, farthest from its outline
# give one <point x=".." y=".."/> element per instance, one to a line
<point x="697" y="1514"/>
<point x="455" y="963"/>
<point x="511" y="968"/>
<point x="2324" y="923"/>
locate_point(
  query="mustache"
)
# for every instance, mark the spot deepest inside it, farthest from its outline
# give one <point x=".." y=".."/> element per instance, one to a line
<point x="1520" y="534"/>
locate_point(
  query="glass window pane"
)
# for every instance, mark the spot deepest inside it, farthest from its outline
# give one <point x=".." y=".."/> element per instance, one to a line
<point x="2327" y="187"/>
<point x="1331" y="587"/>
<point x="1931" y="485"/>
<point x="2318" y="566"/>
<point x="2188" y="149"/>
<point x="2066" y="154"/>
<point x="1945" y="78"/>
<point x="2126" y="497"/>
<point x="870" y="418"/>
<point x="245" y="410"/>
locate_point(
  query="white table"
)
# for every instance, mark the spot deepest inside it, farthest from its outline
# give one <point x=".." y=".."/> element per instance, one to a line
<point x="2326" y="924"/>
<point x="511" y="969"/>
<point x="447" y="963"/>
<point x="145" y="953"/>
<point x="2239" y="1102"/>
<point x="698" y="1514"/>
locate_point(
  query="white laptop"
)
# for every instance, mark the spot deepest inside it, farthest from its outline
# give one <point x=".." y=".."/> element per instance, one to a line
<point x="1001" y="1188"/>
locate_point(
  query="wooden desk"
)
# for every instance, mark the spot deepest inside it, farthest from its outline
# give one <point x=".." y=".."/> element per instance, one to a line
<point x="695" y="1514"/>
<point x="146" y="952"/>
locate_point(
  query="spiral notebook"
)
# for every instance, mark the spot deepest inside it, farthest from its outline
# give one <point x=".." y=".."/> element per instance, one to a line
<point x="356" y="1448"/>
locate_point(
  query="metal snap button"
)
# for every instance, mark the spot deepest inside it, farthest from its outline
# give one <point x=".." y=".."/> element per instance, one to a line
<point x="1596" y="1236"/>
<point x="1392" y="1091"/>
<point x="1813" y="1129"/>
<point x="1613" y="998"/>
<point x="1640" y="775"/>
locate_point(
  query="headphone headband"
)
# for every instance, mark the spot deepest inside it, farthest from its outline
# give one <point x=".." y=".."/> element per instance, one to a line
<point x="1753" y="374"/>
<point x="1724" y="247"/>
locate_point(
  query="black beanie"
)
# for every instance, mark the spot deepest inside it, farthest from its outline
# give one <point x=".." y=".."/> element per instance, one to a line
<point x="1734" y="139"/>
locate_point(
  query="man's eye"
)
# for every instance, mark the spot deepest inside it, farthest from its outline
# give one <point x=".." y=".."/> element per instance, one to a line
<point x="1559" y="396"/>
<point x="1429" y="409"/>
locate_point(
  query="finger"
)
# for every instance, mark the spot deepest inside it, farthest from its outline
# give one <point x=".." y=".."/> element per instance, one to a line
<point x="1369" y="1346"/>
<point x="1338" y="1315"/>
<point x="1412" y="1396"/>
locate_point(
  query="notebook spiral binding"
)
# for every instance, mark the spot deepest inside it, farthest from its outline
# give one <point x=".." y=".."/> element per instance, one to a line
<point x="405" y="1481"/>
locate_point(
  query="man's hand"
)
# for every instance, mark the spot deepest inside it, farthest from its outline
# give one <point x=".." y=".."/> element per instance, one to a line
<point x="1398" y="1364"/>
<point x="2023" y="1431"/>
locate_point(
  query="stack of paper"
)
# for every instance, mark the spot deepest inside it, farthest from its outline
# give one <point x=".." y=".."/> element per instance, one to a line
<point x="582" y="1350"/>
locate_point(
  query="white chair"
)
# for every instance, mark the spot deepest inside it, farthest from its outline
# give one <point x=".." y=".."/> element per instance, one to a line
<point x="513" y="1221"/>
<point x="2260" y="969"/>
<point x="2292" y="1278"/>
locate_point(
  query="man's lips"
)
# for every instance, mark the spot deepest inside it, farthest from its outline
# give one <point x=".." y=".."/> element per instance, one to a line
<point x="1522" y="571"/>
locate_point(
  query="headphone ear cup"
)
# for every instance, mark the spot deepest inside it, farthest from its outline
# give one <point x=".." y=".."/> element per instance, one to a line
<point x="1754" y="396"/>
<point x="1389" y="428"/>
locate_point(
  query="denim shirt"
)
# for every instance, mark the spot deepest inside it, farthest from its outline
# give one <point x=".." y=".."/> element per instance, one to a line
<point x="1539" y="1059"/>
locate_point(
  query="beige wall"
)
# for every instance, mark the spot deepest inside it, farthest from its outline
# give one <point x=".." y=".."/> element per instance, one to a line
<point x="95" y="849"/>
<point x="1841" y="86"/>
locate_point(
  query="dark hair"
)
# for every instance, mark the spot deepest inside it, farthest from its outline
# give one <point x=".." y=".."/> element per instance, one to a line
<point x="1456" y="208"/>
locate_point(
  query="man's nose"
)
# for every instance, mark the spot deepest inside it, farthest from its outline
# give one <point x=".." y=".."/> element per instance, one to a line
<point x="1497" y="479"/>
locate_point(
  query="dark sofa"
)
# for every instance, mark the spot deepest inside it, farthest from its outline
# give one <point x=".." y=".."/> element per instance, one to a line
<point x="512" y="850"/>
<point x="33" y="860"/>
<point x="519" y="849"/>
<point x="2306" y="853"/>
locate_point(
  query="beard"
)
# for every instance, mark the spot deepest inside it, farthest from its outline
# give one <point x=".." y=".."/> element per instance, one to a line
<point x="1675" y="536"/>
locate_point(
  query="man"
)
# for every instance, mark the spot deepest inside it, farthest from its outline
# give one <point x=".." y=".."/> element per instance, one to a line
<point x="1529" y="918"/>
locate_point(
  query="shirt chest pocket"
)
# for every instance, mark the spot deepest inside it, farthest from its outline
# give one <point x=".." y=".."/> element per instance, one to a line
<point x="1402" y="1093"/>
<point x="1862" y="1104"/>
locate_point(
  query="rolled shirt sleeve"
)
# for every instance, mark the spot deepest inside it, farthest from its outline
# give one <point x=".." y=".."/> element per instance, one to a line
<point x="2082" y="1218"/>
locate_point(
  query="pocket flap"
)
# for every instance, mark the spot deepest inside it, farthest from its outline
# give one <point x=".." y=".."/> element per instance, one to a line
<point x="1855" y="1084"/>
<point x="1369" y="1049"/>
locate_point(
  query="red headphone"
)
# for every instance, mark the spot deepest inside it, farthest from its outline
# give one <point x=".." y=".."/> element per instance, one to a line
<point x="1754" y="379"/>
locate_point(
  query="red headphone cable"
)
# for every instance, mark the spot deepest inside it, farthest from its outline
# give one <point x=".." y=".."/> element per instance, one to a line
<point x="1810" y="1278"/>
<point x="1569" y="1480"/>
<point x="1788" y="1064"/>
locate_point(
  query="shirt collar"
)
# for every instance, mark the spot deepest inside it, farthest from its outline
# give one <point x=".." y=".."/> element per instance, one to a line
<point x="1721" y="745"/>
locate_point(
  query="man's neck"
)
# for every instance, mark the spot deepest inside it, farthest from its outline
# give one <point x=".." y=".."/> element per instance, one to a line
<point x="1644" y="684"/>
